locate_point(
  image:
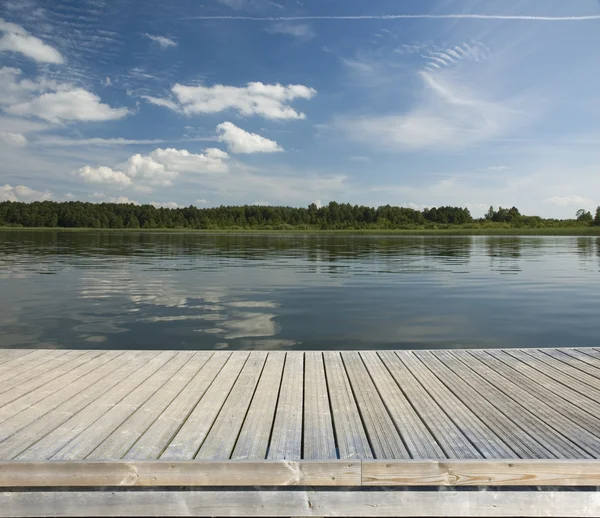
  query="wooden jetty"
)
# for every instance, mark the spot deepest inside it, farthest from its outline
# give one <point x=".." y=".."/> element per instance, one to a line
<point x="376" y="433"/>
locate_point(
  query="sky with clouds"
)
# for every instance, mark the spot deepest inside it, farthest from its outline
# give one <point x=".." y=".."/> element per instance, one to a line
<point x="288" y="102"/>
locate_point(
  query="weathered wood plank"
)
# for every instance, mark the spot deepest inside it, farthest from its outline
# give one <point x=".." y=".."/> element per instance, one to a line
<point x="24" y="372"/>
<point x="26" y="400"/>
<point x="221" y="439"/>
<point x="528" y="436"/>
<point x="383" y="436"/>
<point x="84" y="443"/>
<point x="570" y="358"/>
<point x="319" y="442"/>
<point x="42" y="378"/>
<point x="10" y="354"/>
<point x="580" y="355"/>
<point x="122" y="439"/>
<point x="180" y="473"/>
<point x="186" y="444"/>
<point x="552" y="388"/>
<point x="301" y="503"/>
<point x="482" y="437"/>
<point x="253" y="441"/>
<point x="481" y="473"/>
<point x="420" y="442"/>
<point x="450" y="438"/>
<point x="286" y="437"/>
<point x="7" y="367"/>
<point x="29" y="426"/>
<point x="349" y="431"/>
<point x="155" y="440"/>
<point x="517" y="387"/>
<point x="53" y="442"/>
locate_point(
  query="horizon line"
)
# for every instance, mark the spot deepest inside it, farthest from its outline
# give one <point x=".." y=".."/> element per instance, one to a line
<point x="590" y="17"/>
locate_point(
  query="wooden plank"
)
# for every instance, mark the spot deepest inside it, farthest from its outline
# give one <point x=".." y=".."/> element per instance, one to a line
<point x="124" y="437"/>
<point x="383" y="436"/>
<point x="10" y="354"/>
<point x="157" y="437"/>
<point x="41" y="418"/>
<point x="53" y="442"/>
<point x="22" y="403"/>
<point x="179" y="473"/>
<point x="503" y="473"/>
<point x="253" y="441"/>
<point x="19" y="420"/>
<point x="349" y="431"/>
<point x="568" y="357"/>
<point x="552" y="388"/>
<point x="418" y="439"/>
<point x="186" y="444"/>
<point x="527" y="435"/>
<point x="120" y="410"/>
<point x="46" y="376"/>
<point x="286" y="436"/>
<point x="583" y="357"/>
<point x="561" y="371"/>
<point x="481" y="436"/>
<point x="26" y="371"/>
<point x="450" y="438"/>
<point x="319" y="442"/>
<point x="221" y="439"/>
<point x="13" y="363"/>
<point x="517" y="388"/>
<point x="301" y="503"/>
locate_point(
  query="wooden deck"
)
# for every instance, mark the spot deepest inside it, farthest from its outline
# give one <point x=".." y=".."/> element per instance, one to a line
<point x="75" y="419"/>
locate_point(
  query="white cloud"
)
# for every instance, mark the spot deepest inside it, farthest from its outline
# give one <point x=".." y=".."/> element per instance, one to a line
<point x="163" y="41"/>
<point x="103" y="198"/>
<point x="159" y="168"/>
<point x="165" y="204"/>
<point x="12" y="139"/>
<point x="571" y="201"/>
<point x="107" y="81"/>
<point x="202" y="201"/>
<point x="240" y="141"/>
<point x="100" y="142"/>
<point x="22" y="193"/>
<point x="16" y="39"/>
<point x="266" y="100"/>
<point x="450" y="116"/>
<point x="76" y="104"/>
<point x="301" y="30"/>
<point x="103" y="174"/>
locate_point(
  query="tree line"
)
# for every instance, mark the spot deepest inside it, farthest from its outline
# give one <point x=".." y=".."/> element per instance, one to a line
<point x="334" y="216"/>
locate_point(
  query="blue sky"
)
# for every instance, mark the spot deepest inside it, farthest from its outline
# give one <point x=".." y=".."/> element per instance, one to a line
<point x="415" y="103"/>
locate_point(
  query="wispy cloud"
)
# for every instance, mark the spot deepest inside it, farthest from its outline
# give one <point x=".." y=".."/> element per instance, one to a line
<point x="571" y="201"/>
<point x="300" y="30"/>
<point x="162" y="41"/>
<point x="453" y="16"/>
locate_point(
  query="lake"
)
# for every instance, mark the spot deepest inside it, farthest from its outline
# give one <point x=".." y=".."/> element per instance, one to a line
<point x="224" y="291"/>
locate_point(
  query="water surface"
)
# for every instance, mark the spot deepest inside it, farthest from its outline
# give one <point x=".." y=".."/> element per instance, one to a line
<point x="195" y="291"/>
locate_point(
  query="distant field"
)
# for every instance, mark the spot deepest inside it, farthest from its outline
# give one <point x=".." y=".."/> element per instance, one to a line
<point x="490" y="231"/>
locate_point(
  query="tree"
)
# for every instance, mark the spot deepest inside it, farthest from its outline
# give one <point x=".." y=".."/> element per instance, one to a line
<point x="597" y="218"/>
<point x="490" y="214"/>
<point x="584" y="216"/>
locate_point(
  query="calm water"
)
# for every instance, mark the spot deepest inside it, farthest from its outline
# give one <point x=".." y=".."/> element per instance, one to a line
<point x="150" y="290"/>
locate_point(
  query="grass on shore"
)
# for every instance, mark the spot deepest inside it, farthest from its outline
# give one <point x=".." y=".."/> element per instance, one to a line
<point x="482" y="231"/>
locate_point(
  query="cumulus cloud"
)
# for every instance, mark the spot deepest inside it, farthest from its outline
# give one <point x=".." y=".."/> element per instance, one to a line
<point x="159" y="168"/>
<point x="22" y="193"/>
<point x="165" y="204"/>
<point x="162" y="41"/>
<point x="12" y="139"/>
<point x="571" y="201"/>
<point x="271" y="101"/>
<point x="103" y="174"/>
<point x="103" y="198"/>
<point x="240" y="141"/>
<point x="16" y="39"/>
<point x="76" y="104"/>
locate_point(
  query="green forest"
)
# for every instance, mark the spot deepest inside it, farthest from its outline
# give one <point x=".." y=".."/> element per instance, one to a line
<point x="334" y="216"/>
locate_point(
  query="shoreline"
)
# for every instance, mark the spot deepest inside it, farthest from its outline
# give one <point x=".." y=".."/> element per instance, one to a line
<point x="548" y="231"/>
